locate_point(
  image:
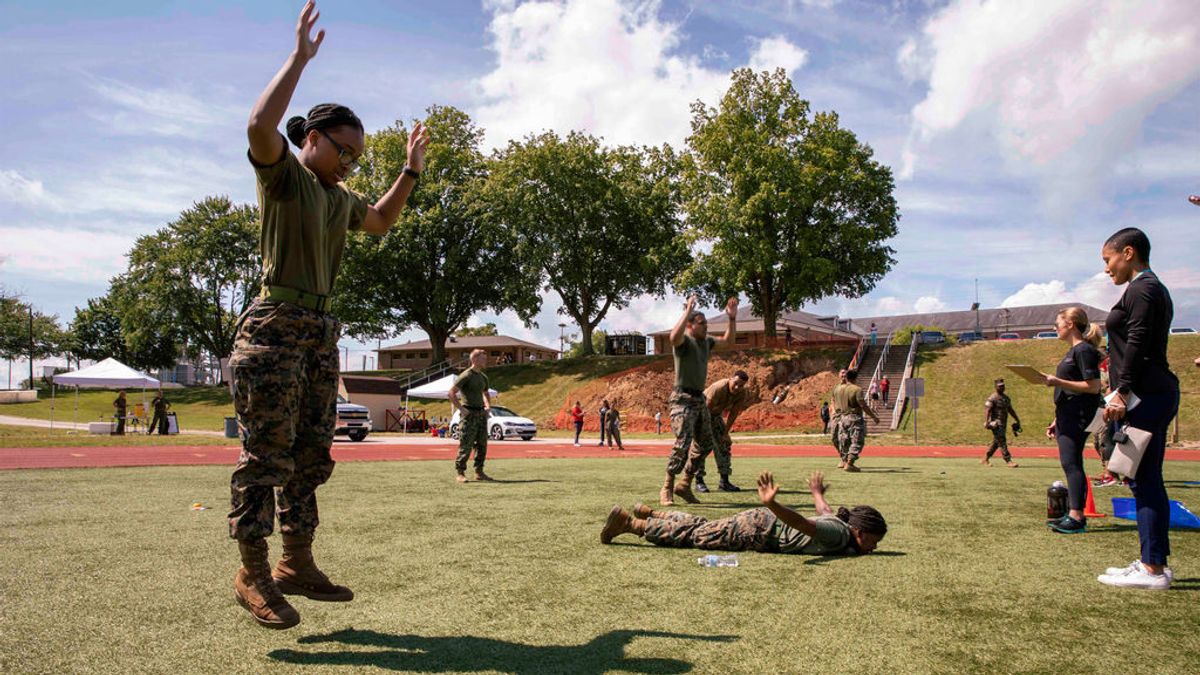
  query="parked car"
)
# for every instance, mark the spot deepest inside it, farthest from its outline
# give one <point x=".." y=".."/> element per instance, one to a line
<point x="352" y="419"/>
<point x="1006" y="337"/>
<point x="502" y="423"/>
<point x="969" y="336"/>
<point x="1183" y="330"/>
<point x="932" y="337"/>
<point x="1046" y="335"/>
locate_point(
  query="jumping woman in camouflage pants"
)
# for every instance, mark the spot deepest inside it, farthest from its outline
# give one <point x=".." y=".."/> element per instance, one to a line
<point x="285" y="356"/>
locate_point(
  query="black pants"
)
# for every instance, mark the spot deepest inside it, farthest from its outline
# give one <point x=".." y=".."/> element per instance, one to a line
<point x="603" y="428"/>
<point x="1072" y="438"/>
<point x="1154" y="414"/>
<point x="578" y="430"/>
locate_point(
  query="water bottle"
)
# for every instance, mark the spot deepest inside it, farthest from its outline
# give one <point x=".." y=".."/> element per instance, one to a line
<point x="781" y="395"/>
<point x="714" y="560"/>
<point x="1056" y="500"/>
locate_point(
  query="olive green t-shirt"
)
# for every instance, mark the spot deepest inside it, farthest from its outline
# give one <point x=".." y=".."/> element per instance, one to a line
<point x="691" y="362"/>
<point x="721" y="400"/>
<point x="846" y="398"/>
<point x="472" y="384"/>
<point x="832" y="536"/>
<point x="303" y="225"/>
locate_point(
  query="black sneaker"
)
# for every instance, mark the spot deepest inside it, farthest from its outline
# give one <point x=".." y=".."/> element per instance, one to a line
<point x="726" y="486"/>
<point x="1051" y="522"/>
<point x="700" y="486"/>
<point x="1069" y="525"/>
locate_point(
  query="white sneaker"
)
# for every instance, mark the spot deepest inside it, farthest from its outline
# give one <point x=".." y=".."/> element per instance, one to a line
<point x="1137" y="564"/>
<point x="577" y="445"/>
<point x="1136" y="577"/>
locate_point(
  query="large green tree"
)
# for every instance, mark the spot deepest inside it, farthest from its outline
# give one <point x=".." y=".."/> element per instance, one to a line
<point x="442" y="262"/>
<point x="96" y="332"/>
<point x="16" y="341"/>
<point x="197" y="275"/>
<point x="599" y="224"/>
<point x="782" y="206"/>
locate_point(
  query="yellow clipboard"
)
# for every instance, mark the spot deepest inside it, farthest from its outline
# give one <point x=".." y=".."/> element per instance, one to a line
<point x="1028" y="373"/>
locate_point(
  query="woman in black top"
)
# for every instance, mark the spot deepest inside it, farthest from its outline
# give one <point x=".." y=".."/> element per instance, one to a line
<point x="1138" y="326"/>
<point x="1076" y="385"/>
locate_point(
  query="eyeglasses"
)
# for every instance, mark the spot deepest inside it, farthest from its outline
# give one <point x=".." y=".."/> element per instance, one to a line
<point x="346" y="156"/>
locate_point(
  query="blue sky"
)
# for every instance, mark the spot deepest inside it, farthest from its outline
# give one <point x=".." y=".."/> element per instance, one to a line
<point x="1021" y="133"/>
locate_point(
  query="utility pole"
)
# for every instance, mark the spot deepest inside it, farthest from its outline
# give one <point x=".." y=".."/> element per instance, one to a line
<point x="562" y="327"/>
<point x="31" y="386"/>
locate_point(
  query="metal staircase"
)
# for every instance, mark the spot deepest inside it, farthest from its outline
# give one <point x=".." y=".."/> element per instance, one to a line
<point x="432" y="373"/>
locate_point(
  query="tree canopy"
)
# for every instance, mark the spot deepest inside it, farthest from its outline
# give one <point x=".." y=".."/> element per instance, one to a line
<point x="442" y="261"/>
<point x="782" y="206"/>
<point x="599" y="225"/>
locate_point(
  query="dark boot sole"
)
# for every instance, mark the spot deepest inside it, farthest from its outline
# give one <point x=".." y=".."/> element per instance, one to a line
<point x="288" y="588"/>
<point x="274" y="625"/>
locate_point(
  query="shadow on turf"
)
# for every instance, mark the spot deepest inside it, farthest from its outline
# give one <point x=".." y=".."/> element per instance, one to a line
<point x="422" y="654"/>
<point x="501" y="480"/>
<point x="821" y="560"/>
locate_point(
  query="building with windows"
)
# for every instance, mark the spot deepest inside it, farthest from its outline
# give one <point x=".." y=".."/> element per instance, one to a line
<point x="501" y="348"/>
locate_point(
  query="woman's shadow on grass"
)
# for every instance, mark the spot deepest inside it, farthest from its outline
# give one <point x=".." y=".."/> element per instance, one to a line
<point x="421" y="654"/>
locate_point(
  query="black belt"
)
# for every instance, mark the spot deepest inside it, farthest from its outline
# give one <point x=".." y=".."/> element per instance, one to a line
<point x="689" y="392"/>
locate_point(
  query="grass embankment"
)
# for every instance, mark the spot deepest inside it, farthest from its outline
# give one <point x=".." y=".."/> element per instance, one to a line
<point x="959" y="379"/>
<point x="35" y="437"/>
<point x="510" y="577"/>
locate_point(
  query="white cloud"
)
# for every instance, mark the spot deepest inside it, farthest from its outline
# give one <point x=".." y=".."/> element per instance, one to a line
<point x="68" y="253"/>
<point x="1097" y="291"/>
<point x="927" y="304"/>
<point x="777" y="52"/>
<point x="1063" y="87"/>
<point x="164" y="111"/>
<point x="18" y="189"/>
<point x="889" y="304"/>
<point x="610" y="67"/>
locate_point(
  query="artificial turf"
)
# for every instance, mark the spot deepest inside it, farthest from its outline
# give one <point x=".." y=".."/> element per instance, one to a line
<point x="109" y="570"/>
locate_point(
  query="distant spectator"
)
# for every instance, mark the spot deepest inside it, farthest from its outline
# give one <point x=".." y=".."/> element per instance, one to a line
<point x="577" y="417"/>
<point x="603" y="421"/>
<point x="159" y="421"/>
<point x="874" y="334"/>
<point x="884" y="387"/>
<point x="658" y="415"/>
<point x="614" y="427"/>
<point x="119" y="406"/>
<point x="825" y="417"/>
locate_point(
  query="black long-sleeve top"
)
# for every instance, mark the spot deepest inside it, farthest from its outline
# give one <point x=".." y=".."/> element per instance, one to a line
<point x="1138" y="327"/>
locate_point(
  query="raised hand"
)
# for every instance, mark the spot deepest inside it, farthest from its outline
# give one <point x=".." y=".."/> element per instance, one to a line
<point x="418" y="141"/>
<point x="731" y="307"/>
<point x="690" y="305"/>
<point x="306" y="46"/>
<point x="766" y="487"/>
<point x="817" y="484"/>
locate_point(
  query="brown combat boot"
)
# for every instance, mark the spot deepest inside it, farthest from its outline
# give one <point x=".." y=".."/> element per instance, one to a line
<point x="620" y="522"/>
<point x="665" y="495"/>
<point x="642" y="511"/>
<point x="256" y="590"/>
<point x="297" y="574"/>
<point x="684" y="489"/>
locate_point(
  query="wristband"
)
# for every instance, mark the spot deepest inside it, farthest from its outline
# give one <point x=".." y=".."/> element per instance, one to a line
<point x="411" y="172"/>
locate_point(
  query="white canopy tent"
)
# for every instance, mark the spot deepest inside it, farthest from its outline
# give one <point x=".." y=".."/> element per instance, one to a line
<point x="108" y="374"/>
<point x="439" y="388"/>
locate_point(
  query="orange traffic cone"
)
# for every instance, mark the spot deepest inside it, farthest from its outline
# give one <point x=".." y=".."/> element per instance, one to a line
<point x="1089" y="508"/>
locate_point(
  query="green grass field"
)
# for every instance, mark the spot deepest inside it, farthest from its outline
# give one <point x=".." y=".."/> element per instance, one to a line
<point x="34" y="437"/>
<point x="959" y="379"/>
<point x="108" y="570"/>
<point x="196" y="407"/>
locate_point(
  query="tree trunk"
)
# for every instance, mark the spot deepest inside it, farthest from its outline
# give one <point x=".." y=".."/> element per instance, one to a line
<point x="586" y="329"/>
<point x="437" y="342"/>
<point x="770" y="310"/>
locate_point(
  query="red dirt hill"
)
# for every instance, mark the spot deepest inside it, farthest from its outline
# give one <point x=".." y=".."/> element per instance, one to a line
<point x="639" y="392"/>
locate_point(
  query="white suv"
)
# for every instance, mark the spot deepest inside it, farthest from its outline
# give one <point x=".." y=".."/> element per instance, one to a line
<point x="502" y="423"/>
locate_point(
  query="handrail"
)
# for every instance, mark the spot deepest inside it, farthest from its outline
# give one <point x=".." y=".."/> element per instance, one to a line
<point x="887" y="345"/>
<point x="862" y="345"/>
<point x="430" y="372"/>
<point x="902" y="395"/>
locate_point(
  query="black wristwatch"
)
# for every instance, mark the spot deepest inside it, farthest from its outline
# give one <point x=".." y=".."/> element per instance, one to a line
<point x="409" y="171"/>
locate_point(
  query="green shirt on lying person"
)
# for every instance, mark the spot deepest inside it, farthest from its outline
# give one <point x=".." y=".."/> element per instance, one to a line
<point x="832" y="536"/>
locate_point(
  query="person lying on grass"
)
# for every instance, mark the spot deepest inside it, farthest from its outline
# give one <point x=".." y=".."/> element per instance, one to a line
<point x="773" y="528"/>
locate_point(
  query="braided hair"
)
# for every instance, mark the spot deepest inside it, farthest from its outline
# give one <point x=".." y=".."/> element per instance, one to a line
<point x="322" y="116"/>
<point x="864" y="519"/>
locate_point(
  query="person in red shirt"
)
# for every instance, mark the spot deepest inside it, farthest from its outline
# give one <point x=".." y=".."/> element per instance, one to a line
<point x="884" y="387"/>
<point x="577" y="416"/>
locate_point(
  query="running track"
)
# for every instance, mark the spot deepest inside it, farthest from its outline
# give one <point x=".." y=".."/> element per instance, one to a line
<point x="423" y="449"/>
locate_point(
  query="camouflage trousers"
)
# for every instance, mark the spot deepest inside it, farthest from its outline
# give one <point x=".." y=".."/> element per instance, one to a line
<point x="285" y="384"/>
<point x="723" y="454"/>
<point x="836" y="435"/>
<point x="999" y="442"/>
<point x="692" y="424"/>
<point x="473" y="435"/>
<point x="849" y="435"/>
<point x="752" y="530"/>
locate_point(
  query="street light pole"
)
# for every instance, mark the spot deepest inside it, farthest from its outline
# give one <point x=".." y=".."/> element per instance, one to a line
<point x="562" y="327"/>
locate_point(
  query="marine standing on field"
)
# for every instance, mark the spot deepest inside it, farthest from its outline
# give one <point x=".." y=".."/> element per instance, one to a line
<point x="285" y="354"/>
<point x="120" y="405"/>
<point x="850" y="405"/>
<point x="159" y="420"/>
<point x="997" y="408"/>
<point x="836" y="434"/>
<point x="690" y="419"/>
<point x="614" y="427"/>
<point x="474" y="411"/>
<point x="728" y="398"/>
<point x="603" y="421"/>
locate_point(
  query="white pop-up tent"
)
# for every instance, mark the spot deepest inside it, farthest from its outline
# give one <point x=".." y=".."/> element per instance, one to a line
<point x="108" y="374"/>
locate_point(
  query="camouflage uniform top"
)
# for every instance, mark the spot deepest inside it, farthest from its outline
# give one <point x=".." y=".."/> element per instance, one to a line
<point x="303" y="225"/>
<point x="721" y="400"/>
<point x="691" y="362"/>
<point x="847" y="399"/>
<point x="472" y="384"/>
<point x="998" y="406"/>
<point x="832" y="536"/>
